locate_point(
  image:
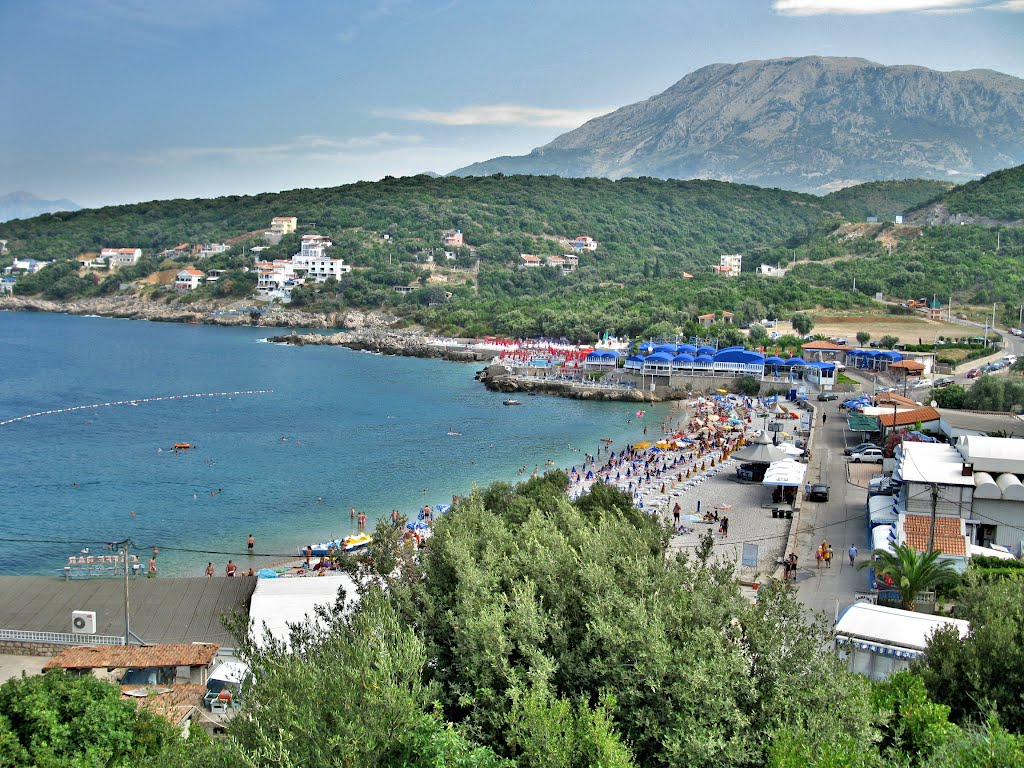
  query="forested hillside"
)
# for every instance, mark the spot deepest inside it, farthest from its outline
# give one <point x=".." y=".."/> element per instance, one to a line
<point x="999" y="195"/>
<point x="650" y="233"/>
<point x="885" y="199"/>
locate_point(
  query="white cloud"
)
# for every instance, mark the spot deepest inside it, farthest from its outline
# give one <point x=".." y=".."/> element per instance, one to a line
<point x="507" y="114"/>
<point x="1015" y="6"/>
<point x="864" y="7"/>
<point x="308" y="147"/>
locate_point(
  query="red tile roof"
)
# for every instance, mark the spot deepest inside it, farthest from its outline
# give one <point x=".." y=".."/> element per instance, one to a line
<point x="824" y="345"/>
<point x="132" y="656"/>
<point x="906" y="418"/>
<point x="892" y="397"/>
<point x="948" y="538"/>
<point x="907" y="365"/>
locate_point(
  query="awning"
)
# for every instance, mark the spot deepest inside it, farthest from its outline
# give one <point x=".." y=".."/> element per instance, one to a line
<point x="787" y="473"/>
<point x="879" y="648"/>
<point x="858" y="422"/>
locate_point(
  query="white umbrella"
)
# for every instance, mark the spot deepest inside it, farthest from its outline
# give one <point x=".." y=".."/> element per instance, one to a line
<point x="787" y="473"/>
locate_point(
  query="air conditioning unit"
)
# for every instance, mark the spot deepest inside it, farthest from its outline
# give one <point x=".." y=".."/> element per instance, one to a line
<point x="83" y="622"/>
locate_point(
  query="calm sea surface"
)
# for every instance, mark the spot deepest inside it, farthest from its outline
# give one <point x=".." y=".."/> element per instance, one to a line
<point x="341" y="429"/>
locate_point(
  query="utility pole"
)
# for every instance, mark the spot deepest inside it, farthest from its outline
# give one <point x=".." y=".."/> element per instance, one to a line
<point x="935" y="504"/>
<point x="127" y="614"/>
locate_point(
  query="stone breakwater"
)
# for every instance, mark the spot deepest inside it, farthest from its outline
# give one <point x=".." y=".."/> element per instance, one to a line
<point x="135" y="308"/>
<point x="386" y="342"/>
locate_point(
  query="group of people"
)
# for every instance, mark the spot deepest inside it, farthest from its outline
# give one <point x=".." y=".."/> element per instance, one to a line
<point x="823" y="554"/>
<point x="230" y="570"/>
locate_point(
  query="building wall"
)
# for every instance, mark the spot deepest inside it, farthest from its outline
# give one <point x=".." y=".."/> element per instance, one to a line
<point x="1007" y="516"/>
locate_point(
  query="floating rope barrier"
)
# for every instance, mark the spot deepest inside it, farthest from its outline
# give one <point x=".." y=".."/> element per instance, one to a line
<point x="136" y="401"/>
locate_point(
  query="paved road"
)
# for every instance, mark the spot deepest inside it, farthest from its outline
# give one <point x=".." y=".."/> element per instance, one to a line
<point x="841" y="520"/>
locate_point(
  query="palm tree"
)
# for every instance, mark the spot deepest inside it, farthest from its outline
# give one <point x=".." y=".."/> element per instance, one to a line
<point x="911" y="571"/>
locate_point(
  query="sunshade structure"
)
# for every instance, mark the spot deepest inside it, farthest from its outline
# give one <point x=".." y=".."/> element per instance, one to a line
<point x="786" y="473"/>
<point x="777" y="410"/>
<point x="760" y="451"/>
<point x="858" y="422"/>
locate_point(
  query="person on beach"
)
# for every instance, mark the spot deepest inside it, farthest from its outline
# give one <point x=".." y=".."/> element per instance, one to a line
<point x="362" y="520"/>
<point x="251" y="572"/>
<point x="209" y="570"/>
<point x="309" y="554"/>
<point x="152" y="568"/>
<point x="250" y="543"/>
<point x="675" y="514"/>
<point x="231" y="568"/>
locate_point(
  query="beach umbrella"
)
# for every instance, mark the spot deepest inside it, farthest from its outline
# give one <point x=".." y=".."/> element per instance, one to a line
<point x="642" y="446"/>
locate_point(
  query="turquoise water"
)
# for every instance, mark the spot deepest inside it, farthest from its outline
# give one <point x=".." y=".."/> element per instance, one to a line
<point x="340" y="429"/>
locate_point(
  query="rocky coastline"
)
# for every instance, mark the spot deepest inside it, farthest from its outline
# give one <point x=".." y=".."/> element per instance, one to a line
<point x="136" y="308"/>
<point x="403" y="343"/>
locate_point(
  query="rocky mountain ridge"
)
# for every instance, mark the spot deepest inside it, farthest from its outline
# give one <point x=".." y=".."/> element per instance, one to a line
<point x="813" y="124"/>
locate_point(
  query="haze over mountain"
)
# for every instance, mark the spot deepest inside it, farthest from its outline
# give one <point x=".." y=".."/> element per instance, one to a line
<point x="813" y="124"/>
<point x="25" y="205"/>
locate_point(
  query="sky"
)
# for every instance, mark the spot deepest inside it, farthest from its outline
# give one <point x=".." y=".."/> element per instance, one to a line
<point x="115" y="101"/>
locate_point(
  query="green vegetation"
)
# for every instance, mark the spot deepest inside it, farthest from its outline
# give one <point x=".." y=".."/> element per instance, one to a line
<point x="999" y="196"/>
<point x="911" y="571"/>
<point x="885" y="199"/>
<point x="536" y="632"/>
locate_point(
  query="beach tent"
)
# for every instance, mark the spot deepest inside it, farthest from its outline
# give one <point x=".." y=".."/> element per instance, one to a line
<point x="787" y="473"/>
<point x="706" y="350"/>
<point x="759" y="451"/>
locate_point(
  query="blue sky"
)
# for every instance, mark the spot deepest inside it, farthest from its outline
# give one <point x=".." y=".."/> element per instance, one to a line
<point x="111" y="101"/>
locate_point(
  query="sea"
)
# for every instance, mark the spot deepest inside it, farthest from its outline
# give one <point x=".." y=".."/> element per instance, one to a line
<point x="325" y="429"/>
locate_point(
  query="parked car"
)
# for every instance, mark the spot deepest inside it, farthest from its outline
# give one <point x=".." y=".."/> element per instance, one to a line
<point x="819" y="492"/>
<point x="974" y="373"/>
<point x="840" y="367"/>
<point x="923" y="383"/>
<point x="858" y="448"/>
<point x="826" y="396"/>
<point x="867" y="456"/>
<point x="940" y="383"/>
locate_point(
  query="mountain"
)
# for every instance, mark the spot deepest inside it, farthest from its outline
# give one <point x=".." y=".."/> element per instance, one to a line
<point x="814" y="124"/>
<point x="24" y="205"/>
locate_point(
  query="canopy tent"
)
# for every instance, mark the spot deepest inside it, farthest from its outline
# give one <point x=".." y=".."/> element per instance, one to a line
<point x="858" y="422"/>
<point x="789" y="449"/>
<point x="683" y="357"/>
<point x="688" y="349"/>
<point x="786" y="473"/>
<point x="706" y="350"/>
<point x="891" y="631"/>
<point x="774" y="360"/>
<point x="760" y="451"/>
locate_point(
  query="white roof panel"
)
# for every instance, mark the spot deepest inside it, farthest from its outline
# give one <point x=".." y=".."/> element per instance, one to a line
<point x="891" y="626"/>
<point x="276" y="603"/>
<point x="931" y="463"/>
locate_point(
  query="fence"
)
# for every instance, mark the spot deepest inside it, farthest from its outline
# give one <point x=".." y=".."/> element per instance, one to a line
<point x="57" y="638"/>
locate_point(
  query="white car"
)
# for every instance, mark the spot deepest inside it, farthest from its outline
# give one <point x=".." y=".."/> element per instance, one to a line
<point x="868" y="456"/>
<point x="923" y="383"/>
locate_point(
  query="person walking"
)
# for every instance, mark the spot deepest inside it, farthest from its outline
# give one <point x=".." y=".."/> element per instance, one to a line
<point x="209" y="569"/>
<point x="824" y="418"/>
<point x="250" y="543"/>
<point x="231" y="568"/>
<point x="828" y="556"/>
<point x="853" y="554"/>
<point x="675" y="514"/>
<point x="152" y="568"/>
<point x="724" y="527"/>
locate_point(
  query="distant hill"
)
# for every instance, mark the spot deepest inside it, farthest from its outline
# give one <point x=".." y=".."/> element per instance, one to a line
<point x="885" y="199"/>
<point x="24" y="205"/>
<point x="996" y="199"/>
<point x="813" y="124"/>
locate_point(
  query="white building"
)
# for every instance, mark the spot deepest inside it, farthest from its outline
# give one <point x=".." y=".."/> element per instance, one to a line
<point x="211" y="249"/>
<point x="188" y="279"/>
<point x="730" y="265"/>
<point x="276" y="279"/>
<point x="584" y="243"/>
<point x="767" y="270"/>
<point x="315" y="263"/>
<point x="878" y="642"/>
<point x="7" y="285"/>
<point x="121" y="257"/>
<point x="31" y="266"/>
<point x="529" y="260"/>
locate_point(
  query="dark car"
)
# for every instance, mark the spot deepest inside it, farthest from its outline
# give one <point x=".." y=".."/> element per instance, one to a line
<point x="826" y="396"/>
<point x="819" y="492"/>
<point x="942" y="383"/>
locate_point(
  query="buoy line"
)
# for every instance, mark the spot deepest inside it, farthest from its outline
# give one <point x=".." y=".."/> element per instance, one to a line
<point x="136" y="401"/>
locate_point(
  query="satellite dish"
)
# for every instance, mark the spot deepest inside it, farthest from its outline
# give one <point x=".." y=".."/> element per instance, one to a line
<point x="933" y="403"/>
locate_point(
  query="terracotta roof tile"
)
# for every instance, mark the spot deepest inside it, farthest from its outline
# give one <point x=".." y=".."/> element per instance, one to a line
<point x="825" y="345"/>
<point x="173" y="702"/>
<point x="905" y="418"/>
<point x="129" y="656"/>
<point x="948" y="538"/>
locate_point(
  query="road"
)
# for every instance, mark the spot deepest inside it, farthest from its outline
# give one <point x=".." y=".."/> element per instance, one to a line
<point x="841" y="520"/>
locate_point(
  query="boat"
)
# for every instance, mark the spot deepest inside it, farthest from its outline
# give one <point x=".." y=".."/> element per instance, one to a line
<point x="452" y="432"/>
<point x="348" y="544"/>
<point x="511" y="402"/>
<point x="182" y="446"/>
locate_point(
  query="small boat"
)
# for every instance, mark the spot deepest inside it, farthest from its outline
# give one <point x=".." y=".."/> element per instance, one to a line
<point x="182" y="446"/>
<point x="512" y="402"/>
<point x="453" y="433"/>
